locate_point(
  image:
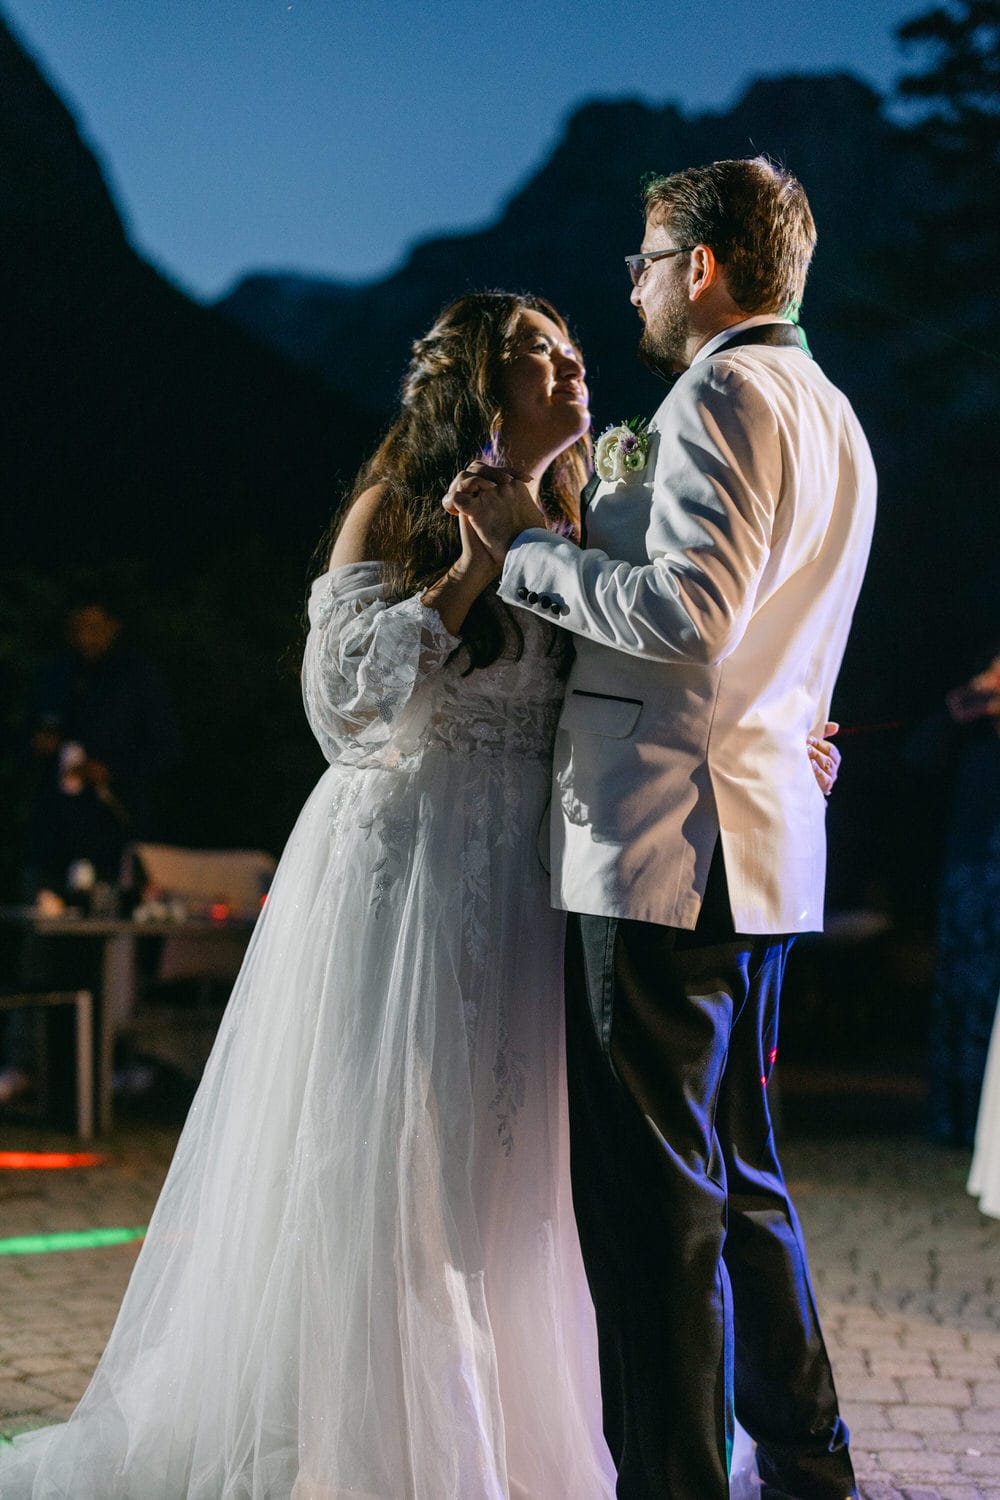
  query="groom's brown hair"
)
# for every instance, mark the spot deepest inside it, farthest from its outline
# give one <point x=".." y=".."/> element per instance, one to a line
<point x="756" y="218"/>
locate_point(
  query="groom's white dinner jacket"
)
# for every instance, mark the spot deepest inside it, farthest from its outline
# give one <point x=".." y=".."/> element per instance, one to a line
<point x="711" y="605"/>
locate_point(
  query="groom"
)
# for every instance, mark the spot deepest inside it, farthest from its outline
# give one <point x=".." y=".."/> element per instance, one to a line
<point x="710" y="604"/>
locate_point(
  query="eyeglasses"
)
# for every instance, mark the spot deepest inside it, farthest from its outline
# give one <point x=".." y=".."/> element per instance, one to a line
<point x="639" y="264"/>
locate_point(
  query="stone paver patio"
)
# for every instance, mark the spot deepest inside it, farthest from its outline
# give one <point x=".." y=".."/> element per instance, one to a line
<point x="907" y="1274"/>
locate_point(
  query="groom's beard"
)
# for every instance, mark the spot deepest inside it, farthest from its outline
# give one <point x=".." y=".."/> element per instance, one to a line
<point x="663" y="345"/>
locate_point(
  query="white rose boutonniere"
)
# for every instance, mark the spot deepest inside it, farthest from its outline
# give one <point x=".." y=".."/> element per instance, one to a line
<point x="622" y="450"/>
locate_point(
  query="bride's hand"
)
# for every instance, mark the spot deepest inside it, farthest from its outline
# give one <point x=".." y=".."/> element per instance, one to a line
<point x="824" y="758"/>
<point x="497" y="502"/>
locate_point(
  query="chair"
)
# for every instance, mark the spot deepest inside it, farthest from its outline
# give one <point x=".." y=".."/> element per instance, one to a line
<point x="203" y="877"/>
<point x="83" y="1000"/>
<point x="223" y="883"/>
<point x="231" y="882"/>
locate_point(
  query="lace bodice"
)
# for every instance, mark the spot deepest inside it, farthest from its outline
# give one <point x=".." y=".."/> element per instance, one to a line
<point x="384" y="683"/>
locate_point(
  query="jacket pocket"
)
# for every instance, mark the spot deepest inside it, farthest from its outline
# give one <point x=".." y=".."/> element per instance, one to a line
<point x="600" y="713"/>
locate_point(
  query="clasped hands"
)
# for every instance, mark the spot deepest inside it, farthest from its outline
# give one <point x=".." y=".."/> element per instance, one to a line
<point x="495" y="505"/>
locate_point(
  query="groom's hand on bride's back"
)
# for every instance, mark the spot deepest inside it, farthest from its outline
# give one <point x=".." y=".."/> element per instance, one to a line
<point x="824" y="758"/>
<point x="497" y="504"/>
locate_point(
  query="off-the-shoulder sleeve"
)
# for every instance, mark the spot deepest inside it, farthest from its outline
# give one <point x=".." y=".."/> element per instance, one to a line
<point x="369" y="667"/>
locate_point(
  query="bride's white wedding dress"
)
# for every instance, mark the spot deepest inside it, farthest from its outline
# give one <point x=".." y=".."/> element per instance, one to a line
<point x="362" y="1279"/>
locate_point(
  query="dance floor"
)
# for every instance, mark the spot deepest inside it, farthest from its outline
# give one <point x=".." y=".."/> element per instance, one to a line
<point x="907" y="1273"/>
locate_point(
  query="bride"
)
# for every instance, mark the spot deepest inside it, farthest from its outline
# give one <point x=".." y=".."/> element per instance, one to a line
<point x="362" y="1279"/>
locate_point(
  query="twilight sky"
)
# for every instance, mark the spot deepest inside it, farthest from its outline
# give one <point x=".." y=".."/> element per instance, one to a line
<point x="327" y="135"/>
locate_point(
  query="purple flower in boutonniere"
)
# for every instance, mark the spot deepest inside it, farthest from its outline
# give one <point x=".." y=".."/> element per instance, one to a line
<point x="622" y="450"/>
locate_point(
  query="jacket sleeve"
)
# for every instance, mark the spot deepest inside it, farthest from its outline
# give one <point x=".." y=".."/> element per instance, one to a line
<point x="716" y="484"/>
<point x="369" y="667"/>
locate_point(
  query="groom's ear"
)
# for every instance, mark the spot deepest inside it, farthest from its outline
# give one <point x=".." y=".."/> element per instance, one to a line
<point x="705" y="271"/>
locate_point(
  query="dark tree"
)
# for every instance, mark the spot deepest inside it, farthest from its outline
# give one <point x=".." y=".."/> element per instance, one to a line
<point x="944" y="273"/>
<point x="962" y="80"/>
<point x="956" y="103"/>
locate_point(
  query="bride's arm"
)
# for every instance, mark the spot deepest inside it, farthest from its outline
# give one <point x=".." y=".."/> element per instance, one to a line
<point x="370" y="664"/>
<point x="457" y="590"/>
<point x="454" y="593"/>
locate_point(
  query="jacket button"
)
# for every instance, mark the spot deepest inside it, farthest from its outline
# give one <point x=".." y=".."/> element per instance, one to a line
<point x="545" y="600"/>
<point x="532" y="598"/>
<point x="564" y="609"/>
<point x="522" y="592"/>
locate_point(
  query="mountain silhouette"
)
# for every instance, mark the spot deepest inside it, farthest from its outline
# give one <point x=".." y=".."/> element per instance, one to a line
<point x="137" y="422"/>
<point x="565" y="232"/>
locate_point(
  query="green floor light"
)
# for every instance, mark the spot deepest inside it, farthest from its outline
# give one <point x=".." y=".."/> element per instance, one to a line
<point x="73" y="1239"/>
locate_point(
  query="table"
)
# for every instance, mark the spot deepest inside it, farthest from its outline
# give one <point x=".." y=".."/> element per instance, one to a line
<point x="116" y="997"/>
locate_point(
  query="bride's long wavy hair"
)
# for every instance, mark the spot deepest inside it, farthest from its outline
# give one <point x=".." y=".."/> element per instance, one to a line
<point x="450" y="414"/>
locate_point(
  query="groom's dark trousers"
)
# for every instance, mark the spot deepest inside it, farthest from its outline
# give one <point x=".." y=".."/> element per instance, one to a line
<point x="693" y="1250"/>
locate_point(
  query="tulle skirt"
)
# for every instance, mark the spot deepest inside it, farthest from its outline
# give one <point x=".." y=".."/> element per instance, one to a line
<point x="362" y="1279"/>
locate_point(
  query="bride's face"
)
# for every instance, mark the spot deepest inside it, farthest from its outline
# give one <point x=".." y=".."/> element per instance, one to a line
<point x="543" y="394"/>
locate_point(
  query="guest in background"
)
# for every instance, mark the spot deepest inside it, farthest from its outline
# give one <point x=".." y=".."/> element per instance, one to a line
<point x="100" y="730"/>
<point x="963" y="741"/>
